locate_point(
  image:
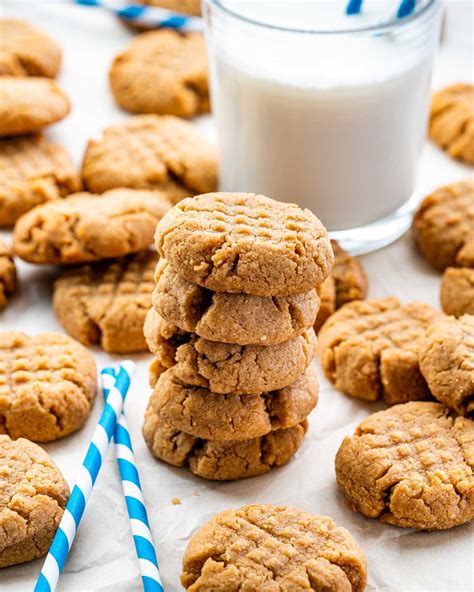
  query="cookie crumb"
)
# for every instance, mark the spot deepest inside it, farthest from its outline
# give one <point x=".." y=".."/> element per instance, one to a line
<point x="176" y="501"/>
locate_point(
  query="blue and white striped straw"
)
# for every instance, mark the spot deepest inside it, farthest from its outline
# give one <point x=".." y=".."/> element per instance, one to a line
<point x="54" y="563"/>
<point x="405" y="8"/>
<point x="147" y="16"/>
<point x="132" y="491"/>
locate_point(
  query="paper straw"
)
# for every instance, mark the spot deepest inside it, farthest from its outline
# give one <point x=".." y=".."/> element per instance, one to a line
<point x="147" y="16"/>
<point x="132" y="491"/>
<point x="353" y="7"/>
<point x="54" y="563"/>
<point x="405" y="9"/>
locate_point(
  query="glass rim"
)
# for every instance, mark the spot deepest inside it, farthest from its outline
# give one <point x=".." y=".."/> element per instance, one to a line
<point x="390" y="25"/>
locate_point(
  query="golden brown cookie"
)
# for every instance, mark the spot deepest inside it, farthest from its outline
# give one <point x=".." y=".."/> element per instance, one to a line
<point x="231" y="318"/>
<point x="369" y="349"/>
<point x="9" y="65"/>
<point x="447" y="362"/>
<point x="221" y="461"/>
<point x="274" y="548"/>
<point x="411" y="466"/>
<point x="192" y="7"/>
<point x="201" y="413"/>
<point x="162" y="72"/>
<point x="8" y="279"/>
<point x="47" y="385"/>
<point x="241" y="242"/>
<point x="346" y="283"/>
<point x="452" y="121"/>
<point x="107" y="303"/>
<point x="30" y="50"/>
<point x="29" y="104"/>
<point x="151" y="152"/>
<point x="457" y="291"/>
<point x="443" y="226"/>
<point x="86" y="227"/>
<point x="32" y="171"/>
<point x="33" y="495"/>
<point x="226" y="367"/>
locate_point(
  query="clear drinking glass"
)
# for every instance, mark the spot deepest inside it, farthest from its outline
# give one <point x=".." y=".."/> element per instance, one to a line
<point x="322" y="109"/>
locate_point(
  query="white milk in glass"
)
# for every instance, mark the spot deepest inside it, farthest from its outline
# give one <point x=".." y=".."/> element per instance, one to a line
<point x="338" y="130"/>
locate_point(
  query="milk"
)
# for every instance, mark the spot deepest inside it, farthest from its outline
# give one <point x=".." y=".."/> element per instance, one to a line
<point x="339" y="132"/>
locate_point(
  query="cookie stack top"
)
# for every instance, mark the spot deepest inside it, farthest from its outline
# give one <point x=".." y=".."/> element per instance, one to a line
<point x="237" y="292"/>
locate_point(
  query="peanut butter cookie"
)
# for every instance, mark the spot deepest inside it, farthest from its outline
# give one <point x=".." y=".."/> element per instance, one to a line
<point x="443" y="226"/>
<point x="369" y="350"/>
<point x="86" y="227"/>
<point x="106" y="303"/>
<point x="221" y="418"/>
<point x="346" y="283"/>
<point x="241" y="242"/>
<point x="457" y="291"/>
<point x="33" y="495"/>
<point x="9" y="65"/>
<point x="226" y="367"/>
<point x="29" y="104"/>
<point x="452" y="121"/>
<point x="411" y="466"/>
<point x="231" y="318"/>
<point x="162" y="72"/>
<point x="8" y="280"/>
<point x="447" y="362"/>
<point x="151" y="152"/>
<point x="32" y="171"/>
<point x="32" y="52"/>
<point x="277" y="548"/>
<point x="221" y="461"/>
<point x="47" y="385"/>
<point x="192" y="7"/>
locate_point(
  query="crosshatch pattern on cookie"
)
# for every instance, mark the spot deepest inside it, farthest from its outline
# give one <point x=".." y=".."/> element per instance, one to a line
<point x="369" y="349"/>
<point x="32" y="172"/>
<point x="47" y="385"/>
<point x="411" y="466"/>
<point x="241" y="242"/>
<point x="107" y="303"/>
<point x="151" y="152"/>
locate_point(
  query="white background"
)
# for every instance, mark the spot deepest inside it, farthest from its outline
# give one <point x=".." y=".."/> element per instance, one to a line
<point x="102" y="558"/>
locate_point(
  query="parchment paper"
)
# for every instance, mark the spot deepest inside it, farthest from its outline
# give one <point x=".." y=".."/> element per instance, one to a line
<point x="102" y="558"/>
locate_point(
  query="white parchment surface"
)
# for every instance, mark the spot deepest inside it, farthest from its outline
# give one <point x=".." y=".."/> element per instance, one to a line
<point x="102" y="558"/>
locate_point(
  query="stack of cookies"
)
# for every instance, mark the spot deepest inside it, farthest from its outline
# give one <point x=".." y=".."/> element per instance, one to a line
<point x="231" y="326"/>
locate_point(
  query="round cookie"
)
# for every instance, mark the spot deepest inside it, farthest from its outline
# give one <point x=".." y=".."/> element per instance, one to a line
<point x="241" y="242"/>
<point x="47" y="385"/>
<point x="447" y="362"/>
<point x="32" y="171"/>
<point x="451" y="123"/>
<point x="266" y="547"/>
<point x="443" y="226"/>
<point x="231" y="318"/>
<point x="224" y="417"/>
<point x="226" y="367"/>
<point x="8" y="278"/>
<point x="29" y="104"/>
<point x="410" y="466"/>
<point x="33" y="495"/>
<point x="151" y="152"/>
<point x="85" y="227"/>
<point x="32" y="52"/>
<point x="346" y="283"/>
<point x="162" y="72"/>
<point x="369" y="349"/>
<point x="221" y="461"/>
<point x="107" y="303"/>
<point x="457" y="291"/>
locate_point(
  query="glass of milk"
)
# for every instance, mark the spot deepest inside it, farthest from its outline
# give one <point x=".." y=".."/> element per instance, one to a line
<point x="324" y="109"/>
